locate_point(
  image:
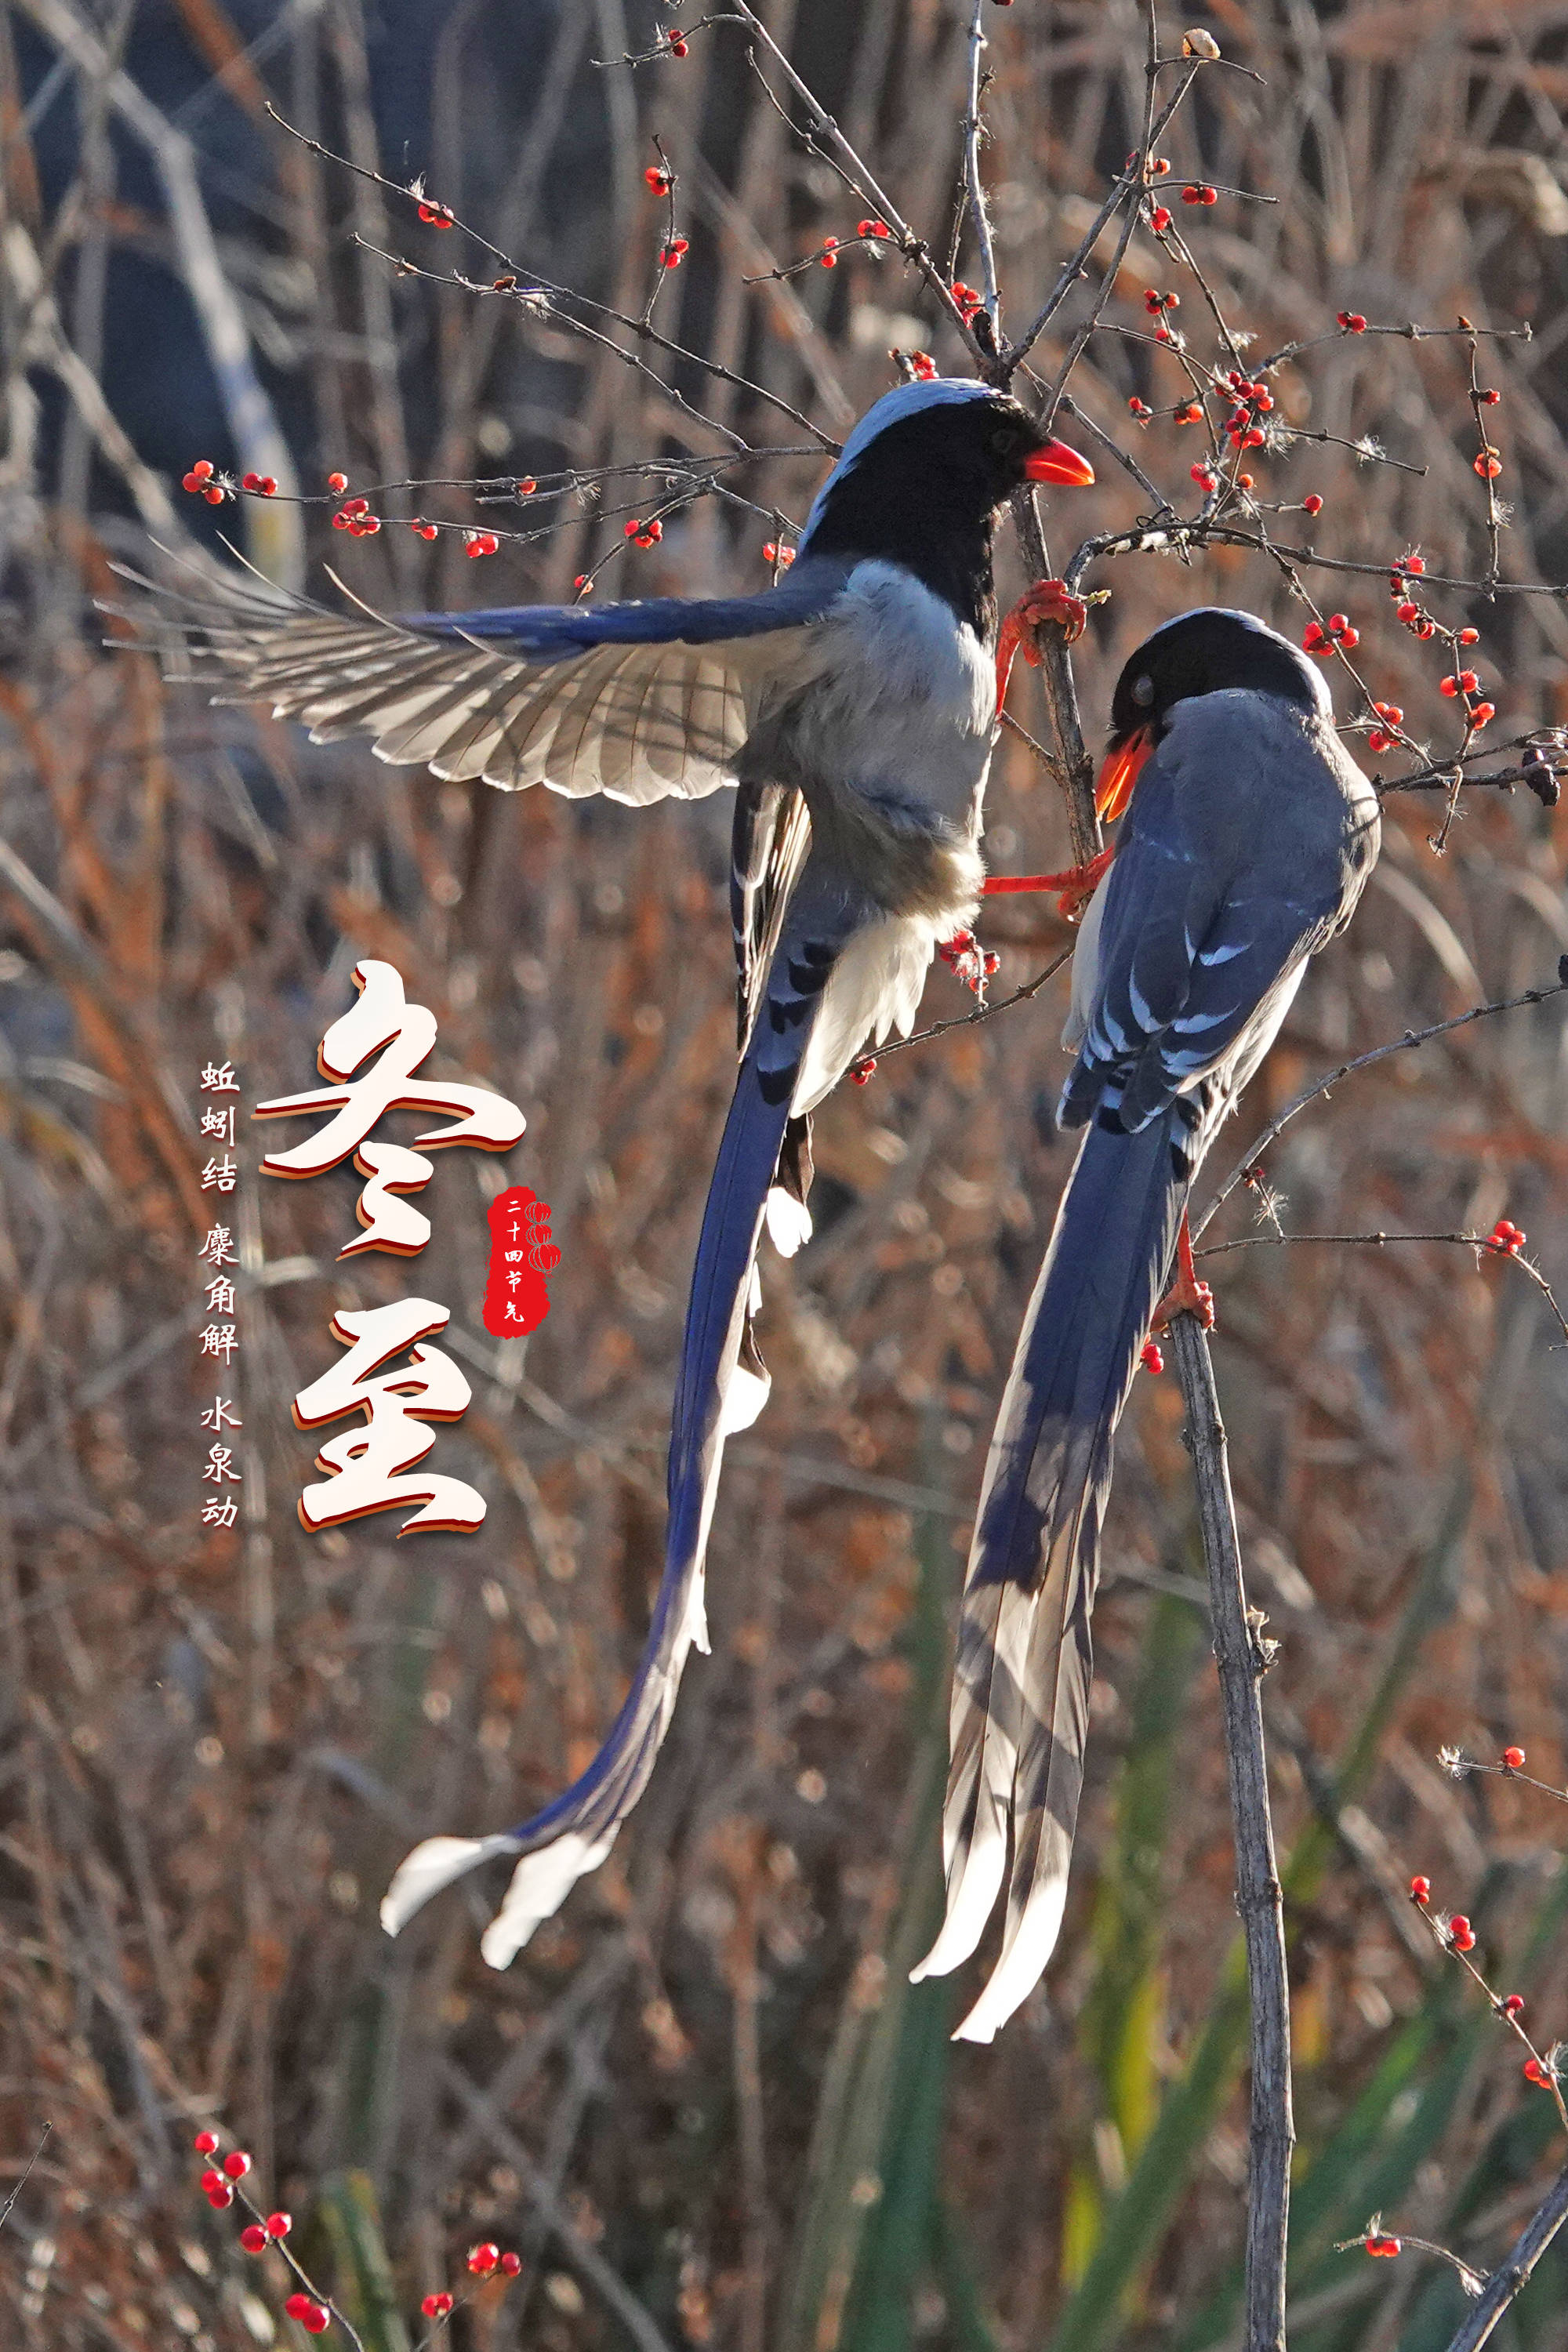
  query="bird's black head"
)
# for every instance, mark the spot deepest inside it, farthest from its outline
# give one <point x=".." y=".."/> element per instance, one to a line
<point x="1201" y="653"/>
<point x="920" y="482"/>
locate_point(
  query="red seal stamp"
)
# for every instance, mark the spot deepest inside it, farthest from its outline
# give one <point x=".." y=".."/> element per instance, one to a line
<point x="522" y="1257"/>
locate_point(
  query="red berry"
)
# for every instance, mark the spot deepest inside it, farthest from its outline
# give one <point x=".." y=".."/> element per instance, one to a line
<point x="1407" y="612"/>
<point x="237" y="2164"/>
<point x="1482" y="714"/>
<point x="672" y="254"/>
<point x="1534" y="2072"/>
<point x="315" y="2322"/>
<point x="337" y="484"/>
<point x="678" y="47"/>
<point x="220" y="2197"/>
<point x="341" y="521"/>
<point x="251" y="482"/>
<point x="511" y="2264"/>
<point x="1192" y="195"/>
<point x="1420" y="1890"/>
<point x="299" y="2304"/>
<point x="659" y="179"/>
<point x="1488" y="465"/>
<point x="1513" y="2006"/>
<point x="214" y="496"/>
<point x="210" y="2179"/>
<point x="1514" y="1758"/>
<point x="436" y="2307"/>
<point x="1202" y="476"/>
<point x="1352" y="322"/>
<point x="483" y="2259"/>
<point x="1461" y="1935"/>
<point x="269" y="486"/>
<point x="1384" y="2247"/>
<point x="1378" y="741"/>
<point x="253" y="2238"/>
<point x="862" y="1072"/>
<point x="205" y="2143"/>
<point x="1137" y="407"/>
<point x="828" y="256"/>
<point x="1159" y="219"/>
<point x="1391" y="711"/>
<point x="1151" y="1358"/>
<point x="190" y="482"/>
<point x="923" y="366"/>
<point x="370" y="524"/>
<point x="1191" y="414"/>
<point x="1469" y="637"/>
<point x="1312" y="636"/>
<point x="1159" y="166"/>
<point x="202" y="469"/>
<point x="280" y="2225"/>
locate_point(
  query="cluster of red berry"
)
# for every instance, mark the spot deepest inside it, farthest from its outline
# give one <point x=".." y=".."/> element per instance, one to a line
<point x="1151" y="1358"/>
<point x="659" y="179"/>
<point x="200" y="478"/>
<point x="1507" y="1240"/>
<point x="828" y="256"/>
<point x="862" y="1072"/>
<point x="1351" y="322"/>
<point x="478" y="542"/>
<point x="355" y="516"/>
<point x="644" y="534"/>
<point x="1320" y="637"/>
<point x="675" y="45"/>
<point x="264" y="486"/>
<point x="1242" y="426"/>
<point x="1393" y="715"/>
<point x="969" y="300"/>
<point x="1159" y="305"/>
<point x="436" y="216"/>
<point x="674" y="253"/>
<point x="1199" y="193"/>
<point x="1378" y="2243"/>
<point x="781" y="557"/>
<point x="922" y="367"/>
<point x="872" y="228"/>
<point x="968" y="961"/>
<point x="218" y="2189"/>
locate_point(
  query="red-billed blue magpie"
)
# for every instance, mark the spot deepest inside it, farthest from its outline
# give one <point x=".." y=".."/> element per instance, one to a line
<point x="1248" y="836"/>
<point x="854" y="706"/>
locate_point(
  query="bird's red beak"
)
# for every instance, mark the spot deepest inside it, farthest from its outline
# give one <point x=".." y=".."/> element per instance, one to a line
<point x="1053" y="461"/>
<point x="1119" y="774"/>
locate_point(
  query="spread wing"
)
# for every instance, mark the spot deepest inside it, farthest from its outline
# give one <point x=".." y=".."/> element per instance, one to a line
<point x="639" y="702"/>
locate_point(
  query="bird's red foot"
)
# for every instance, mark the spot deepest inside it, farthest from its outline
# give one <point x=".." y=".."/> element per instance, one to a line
<point x="1048" y="600"/>
<point x="1187" y="1295"/>
<point x="1077" y="885"/>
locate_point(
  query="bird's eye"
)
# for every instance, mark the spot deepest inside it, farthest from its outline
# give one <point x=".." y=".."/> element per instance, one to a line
<point x="1143" y="691"/>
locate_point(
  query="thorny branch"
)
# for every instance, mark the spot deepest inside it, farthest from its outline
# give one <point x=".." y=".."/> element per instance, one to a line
<point x="1513" y="2274"/>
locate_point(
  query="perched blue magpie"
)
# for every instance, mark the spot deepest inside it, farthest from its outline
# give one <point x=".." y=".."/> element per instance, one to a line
<point x="854" y="706"/>
<point x="1249" y="834"/>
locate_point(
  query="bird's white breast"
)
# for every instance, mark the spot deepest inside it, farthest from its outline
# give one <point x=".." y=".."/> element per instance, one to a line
<point x="903" y="696"/>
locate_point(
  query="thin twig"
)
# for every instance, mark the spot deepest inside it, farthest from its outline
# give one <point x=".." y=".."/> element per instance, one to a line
<point x="1242" y="1658"/>
<point x="1510" y="2276"/>
<point x="1407" y="1043"/>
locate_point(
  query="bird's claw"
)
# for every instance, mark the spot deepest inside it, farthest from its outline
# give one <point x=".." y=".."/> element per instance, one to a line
<point x="1048" y="600"/>
<point x="1187" y="1295"/>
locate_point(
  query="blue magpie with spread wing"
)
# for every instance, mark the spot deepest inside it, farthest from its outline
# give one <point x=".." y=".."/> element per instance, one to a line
<point x="1249" y="834"/>
<point x="854" y="706"/>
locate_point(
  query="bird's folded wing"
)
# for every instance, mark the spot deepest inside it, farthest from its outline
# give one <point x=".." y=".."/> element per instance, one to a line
<point x="1188" y="951"/>
<point x="639" y="702"/>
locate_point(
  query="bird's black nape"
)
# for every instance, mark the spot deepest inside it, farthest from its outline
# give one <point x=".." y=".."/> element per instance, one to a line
<point x="1205" y="652"/>
<point x="924" y="494"/>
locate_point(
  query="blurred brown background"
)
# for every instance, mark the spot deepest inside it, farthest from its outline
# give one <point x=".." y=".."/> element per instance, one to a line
<point x="704" y="2103"/>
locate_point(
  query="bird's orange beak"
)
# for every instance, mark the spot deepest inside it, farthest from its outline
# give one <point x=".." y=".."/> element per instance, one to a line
<point x="1119" y="774"/>
<point x="1053" y="461"/>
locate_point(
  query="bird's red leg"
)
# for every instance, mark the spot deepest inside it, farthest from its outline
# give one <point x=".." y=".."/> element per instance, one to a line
<point x="1078" y="883"/>
<point x="1187" y="1295"/>
<point x="1048" y="600"/>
